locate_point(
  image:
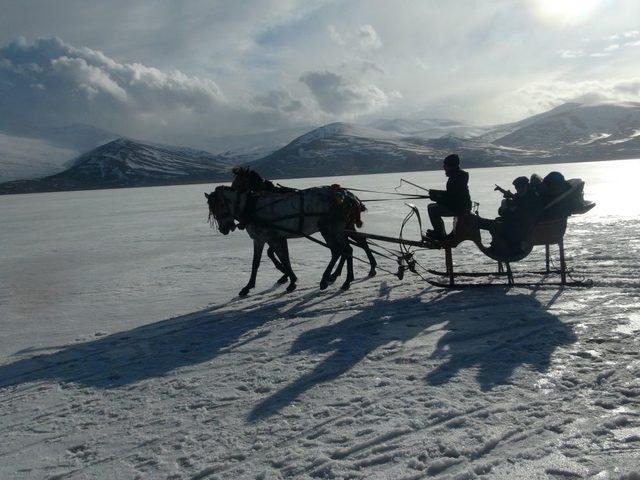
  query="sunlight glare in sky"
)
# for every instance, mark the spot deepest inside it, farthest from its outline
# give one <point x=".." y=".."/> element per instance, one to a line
<point x="565" y="12"/>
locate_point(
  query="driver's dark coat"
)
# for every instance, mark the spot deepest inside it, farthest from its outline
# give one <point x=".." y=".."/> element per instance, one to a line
<point x="456" y="197"/>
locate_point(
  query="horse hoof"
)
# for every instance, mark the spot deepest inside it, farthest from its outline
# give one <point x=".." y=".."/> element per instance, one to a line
<point x="244" y="292"/>
<point x="282" y="280"/>
<point x="345" y="286"/>
<point x="372" y="273"/>
<point x="323" y="285"/>
<point x="291" y="287"/>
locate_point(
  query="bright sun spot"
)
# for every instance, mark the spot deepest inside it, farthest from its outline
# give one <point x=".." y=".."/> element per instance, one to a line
<point x="565" y="12"/>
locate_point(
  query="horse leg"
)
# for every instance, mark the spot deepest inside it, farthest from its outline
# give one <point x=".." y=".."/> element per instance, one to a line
<point x="326" y="276"/>
<point x="364" y="245"/>
<point x="276" y="263"/>
<point x="338" y="271"/>
<point x="348" y="253"/>
<point x="283" y="253"/>
<point x="327" y="234"/>
<point x="258" y="246"/>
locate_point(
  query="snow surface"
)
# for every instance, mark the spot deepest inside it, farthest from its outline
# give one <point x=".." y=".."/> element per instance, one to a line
<point x="124" y="352"/>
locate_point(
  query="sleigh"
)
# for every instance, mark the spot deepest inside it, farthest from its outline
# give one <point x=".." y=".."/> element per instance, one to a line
<point x="548" y="232"/>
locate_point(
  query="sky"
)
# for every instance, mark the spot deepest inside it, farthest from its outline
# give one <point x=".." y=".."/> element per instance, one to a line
<point x="179" y="70"/>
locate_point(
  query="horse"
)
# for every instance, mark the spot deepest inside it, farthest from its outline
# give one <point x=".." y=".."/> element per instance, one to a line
<point x="273" y="217"/>
<point x="248" y="180"/>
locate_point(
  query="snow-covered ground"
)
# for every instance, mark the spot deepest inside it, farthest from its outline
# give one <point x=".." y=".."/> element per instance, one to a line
<point x="124" y="352"/>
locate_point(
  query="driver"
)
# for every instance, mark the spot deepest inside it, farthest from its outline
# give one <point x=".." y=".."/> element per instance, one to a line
<point x="453" y="201"/>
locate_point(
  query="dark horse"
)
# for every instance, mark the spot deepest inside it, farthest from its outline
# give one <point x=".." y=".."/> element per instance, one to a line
<point x="273" y="215"/>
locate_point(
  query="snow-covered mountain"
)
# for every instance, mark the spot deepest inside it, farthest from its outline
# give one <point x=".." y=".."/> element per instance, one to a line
<point x="344" y="149"/>
<point x="602" y="130"/>
<point x="428" y="127"/>
<point x="244" y="148"/>
<point x="124" y="163"/>
<point x="24" y="157"/>
<point x="569" y="132"/>
<point x="28" y="151"/>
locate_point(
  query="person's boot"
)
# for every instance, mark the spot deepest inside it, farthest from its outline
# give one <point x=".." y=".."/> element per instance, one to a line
<point x="433" y="235"/>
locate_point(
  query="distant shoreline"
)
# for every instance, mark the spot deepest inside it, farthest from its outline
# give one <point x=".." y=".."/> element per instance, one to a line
<point x="223" y="180"/>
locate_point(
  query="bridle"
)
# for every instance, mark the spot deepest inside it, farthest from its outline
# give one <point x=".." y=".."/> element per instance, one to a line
<point x="219" y="208"/>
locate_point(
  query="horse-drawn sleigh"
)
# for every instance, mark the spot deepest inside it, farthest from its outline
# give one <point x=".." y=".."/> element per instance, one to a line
<point x="273" y="214"/>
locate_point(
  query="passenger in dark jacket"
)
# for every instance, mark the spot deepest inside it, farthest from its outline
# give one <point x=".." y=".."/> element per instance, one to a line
<point x="453" y="201"/>
<point x="518" y="213"/>
<point x="521" y="212"/>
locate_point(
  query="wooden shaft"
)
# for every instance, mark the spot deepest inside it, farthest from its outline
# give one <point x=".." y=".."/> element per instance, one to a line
<point x="449" y="262"/>
<point x="546" y="251"/>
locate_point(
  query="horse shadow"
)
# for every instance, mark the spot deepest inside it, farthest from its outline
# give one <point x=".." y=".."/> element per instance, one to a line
<point x="494" y="332"/>
<point x="155" y="349"/>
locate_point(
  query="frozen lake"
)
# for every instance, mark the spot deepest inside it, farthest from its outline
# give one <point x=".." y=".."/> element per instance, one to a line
<point x="124" y="352"/>
<point x="74" y="262"/>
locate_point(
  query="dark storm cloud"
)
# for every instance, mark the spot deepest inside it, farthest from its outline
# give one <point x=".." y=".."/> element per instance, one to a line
<point x="53" y="80"/>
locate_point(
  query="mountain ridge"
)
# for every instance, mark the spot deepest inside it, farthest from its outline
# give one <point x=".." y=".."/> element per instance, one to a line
<point x="569" y="132"/>
<point x="128" y="163"/>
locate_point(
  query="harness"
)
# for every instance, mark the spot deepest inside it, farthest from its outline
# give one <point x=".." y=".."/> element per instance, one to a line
<point x="249" y="213"/>
<point x="344" y="204"/>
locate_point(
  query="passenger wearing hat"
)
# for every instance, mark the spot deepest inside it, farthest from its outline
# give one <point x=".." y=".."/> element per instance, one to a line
<point x="519" y="212"/>
<point x="453" y="201"/>
<point x="514" y="201"/>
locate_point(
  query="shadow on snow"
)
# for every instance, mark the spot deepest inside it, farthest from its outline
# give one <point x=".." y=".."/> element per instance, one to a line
<point x="493" y="332"/>
<point x="150" y="350"/>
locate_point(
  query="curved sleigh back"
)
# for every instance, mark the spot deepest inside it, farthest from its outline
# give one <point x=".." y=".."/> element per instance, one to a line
<point x="549" y="230"/>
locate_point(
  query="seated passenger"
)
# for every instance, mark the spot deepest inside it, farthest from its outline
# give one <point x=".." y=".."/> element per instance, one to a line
<point x="536" y="184"/>
<point x="554" y="185"/>
<point x="518" y="213"/>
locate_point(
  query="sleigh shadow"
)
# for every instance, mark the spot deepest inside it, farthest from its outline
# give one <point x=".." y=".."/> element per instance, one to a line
<point x="492" y="334"/>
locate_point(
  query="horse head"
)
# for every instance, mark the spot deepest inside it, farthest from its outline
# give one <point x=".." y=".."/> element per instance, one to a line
<point x="225" y="206"/>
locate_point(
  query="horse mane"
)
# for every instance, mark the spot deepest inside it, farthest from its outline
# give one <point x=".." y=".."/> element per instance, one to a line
<point x="241" y="171"/>
<point x="253" y="177"/>
<point x="254" y="182"/>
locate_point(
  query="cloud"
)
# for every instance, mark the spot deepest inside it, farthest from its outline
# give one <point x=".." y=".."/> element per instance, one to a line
<point x="365" y="39"/>
<point x="572" y="53"/>
<point x="545" y="95"/>
<point x="368" y="37"/>
<point x="631" y="87"/>
<point x="82" y="80"/>
<point x="335" y="36"/>
<point x="278" y="100"/>
<point x="218" y="68"/>
<point x="52" y="83"/>
<point x="338" y="95"/>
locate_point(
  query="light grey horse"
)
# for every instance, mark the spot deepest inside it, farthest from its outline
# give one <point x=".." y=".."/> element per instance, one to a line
<point x="272" y="218"/>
